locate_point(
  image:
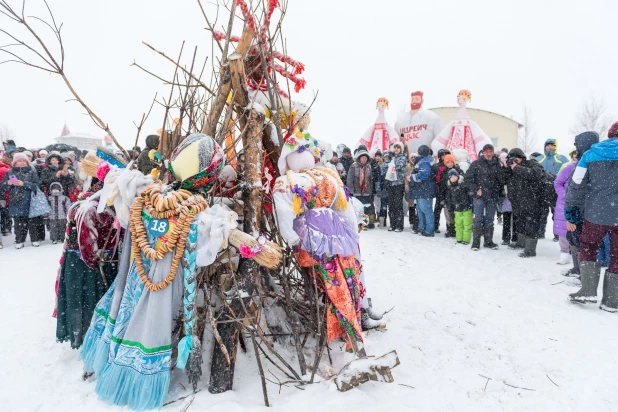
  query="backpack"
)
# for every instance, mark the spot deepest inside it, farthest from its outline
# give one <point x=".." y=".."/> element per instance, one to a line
<point x="549" y="195"/>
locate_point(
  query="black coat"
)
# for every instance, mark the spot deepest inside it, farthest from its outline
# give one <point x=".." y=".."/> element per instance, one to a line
<point x="459" y="197"/>
<point x="525" y="191"/>
<point x="487" y="175"/>
<point x="19" y="196"/>
<point x="441" y="173"/>
<point x="48" y="176"/>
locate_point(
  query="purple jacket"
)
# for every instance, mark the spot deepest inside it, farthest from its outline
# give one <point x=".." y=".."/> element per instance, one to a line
<point x="560" y="184"/>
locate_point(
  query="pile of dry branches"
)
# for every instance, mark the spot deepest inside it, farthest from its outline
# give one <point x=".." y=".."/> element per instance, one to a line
<point x="243" y="303"/>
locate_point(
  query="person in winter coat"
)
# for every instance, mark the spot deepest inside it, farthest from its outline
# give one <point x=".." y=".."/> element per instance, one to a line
<point x="485" y="179"/>
<point x="5" y="218"/>
<point x="551" y="162"/>
<point x="55" y="171"/>
<point x="412" y="215"/>
<point x="459" y="204"/>
<point x="524" y="179"/>
<point x="336" y="163"/>
<point x="21" y="181"/>
<point x="436" y="170"/>
<point x="361" y="183"/>
<point x="382" y="189"/>
<point x="583" y="143"/>
<point x="146" y="160"/>
<point x="423" y="190"/>
<point x="346" y="160"/>
<point x="442" y="193"/>
<point x="560" y="227"/>
<point x="58" y="217"/>
<point x="591" y="199"/>
<point x="396" y="189"/>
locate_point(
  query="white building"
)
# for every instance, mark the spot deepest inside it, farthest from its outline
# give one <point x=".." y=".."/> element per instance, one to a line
<point x="83" y="141"/>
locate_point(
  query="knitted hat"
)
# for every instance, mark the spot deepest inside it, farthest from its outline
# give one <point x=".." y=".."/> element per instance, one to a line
<point x="516" y="152"/>
<point x="449" y="158"/>
<point x="424" y="150"/>
<point x="361" y="152"/>
<point x="613" y="131"/>
<point x="398" y="144"/>
<point x="43" y="152"/>
<point x="196" y="162"/>
<point x="378" y="153"/>
<point x="298" y="142"/>
<point x="453" y="172"/>
<point x="19" y="156"/>
<point x="28" y="153"/>
<point x="346" y="150"/>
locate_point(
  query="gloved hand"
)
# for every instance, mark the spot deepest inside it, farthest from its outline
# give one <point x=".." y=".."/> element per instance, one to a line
<point x="573" y="215"/>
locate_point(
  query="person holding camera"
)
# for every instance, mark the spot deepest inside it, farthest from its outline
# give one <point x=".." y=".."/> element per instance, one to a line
<point x="524" y="180"/>
<point x="56" y="171"/>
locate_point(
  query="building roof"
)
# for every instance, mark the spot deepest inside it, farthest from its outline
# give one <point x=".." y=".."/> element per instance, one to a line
<point x="519" y="125"/>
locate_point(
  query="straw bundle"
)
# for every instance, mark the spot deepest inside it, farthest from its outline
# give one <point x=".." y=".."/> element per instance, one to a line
<point x="90" y="164"/>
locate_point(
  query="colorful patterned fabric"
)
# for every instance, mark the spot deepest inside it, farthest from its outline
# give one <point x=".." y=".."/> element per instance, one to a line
<point x="339" y="278"/>
<point x="196" y="162"/>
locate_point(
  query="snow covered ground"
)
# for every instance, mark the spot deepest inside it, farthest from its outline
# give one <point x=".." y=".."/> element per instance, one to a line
<point x="458" y="315"/>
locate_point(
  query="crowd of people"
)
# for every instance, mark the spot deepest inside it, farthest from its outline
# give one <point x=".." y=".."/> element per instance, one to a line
<point x="53" y="175"/>
<point x="520" y="190"/>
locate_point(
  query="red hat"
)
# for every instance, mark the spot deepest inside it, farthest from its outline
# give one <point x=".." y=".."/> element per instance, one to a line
<point x="613" y="131"/>
<point x="449" y="158"/>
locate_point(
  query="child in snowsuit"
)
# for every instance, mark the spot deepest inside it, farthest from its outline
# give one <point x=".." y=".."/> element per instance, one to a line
<point x="58" y="217"/>
<point x="459" y="203"/>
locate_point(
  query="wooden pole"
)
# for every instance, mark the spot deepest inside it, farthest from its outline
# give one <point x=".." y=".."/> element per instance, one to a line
<point x="222" y="373"/>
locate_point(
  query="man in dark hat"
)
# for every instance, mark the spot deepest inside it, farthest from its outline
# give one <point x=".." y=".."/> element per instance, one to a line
<point x="484" y="179"/>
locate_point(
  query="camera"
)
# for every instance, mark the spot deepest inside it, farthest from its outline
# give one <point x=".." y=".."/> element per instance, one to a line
<point x="510" y="160"/>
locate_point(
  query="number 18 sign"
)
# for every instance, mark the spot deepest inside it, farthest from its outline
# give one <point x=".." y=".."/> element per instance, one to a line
<point x="158" y="227"/>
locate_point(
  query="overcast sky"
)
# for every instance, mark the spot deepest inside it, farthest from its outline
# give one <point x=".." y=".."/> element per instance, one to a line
<point x="549" y="54"/>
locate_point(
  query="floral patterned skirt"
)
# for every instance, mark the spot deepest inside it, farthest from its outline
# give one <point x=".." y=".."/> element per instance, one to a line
<point x="340" y="280"/>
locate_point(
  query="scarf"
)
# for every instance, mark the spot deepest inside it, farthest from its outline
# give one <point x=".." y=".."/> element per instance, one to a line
<point x="362" y="182"/>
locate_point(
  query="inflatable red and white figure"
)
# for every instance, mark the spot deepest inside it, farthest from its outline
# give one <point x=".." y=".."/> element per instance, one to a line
<point x="381" y="134"/>
<point x="462" y="133"/>
<point x="418" y="126"/>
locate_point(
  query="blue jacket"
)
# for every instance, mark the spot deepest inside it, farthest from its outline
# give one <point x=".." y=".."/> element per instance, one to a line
<point x="422" y="186"/>
<point x="552" y="162"/>
<point x="594" y="185"/>
<point x="19" y="196"/>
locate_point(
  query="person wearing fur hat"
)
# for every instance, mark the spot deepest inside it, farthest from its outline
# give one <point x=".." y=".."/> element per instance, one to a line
<point x="423" y="190"/>
<point x="58" y="217"/>
<point x="56" y="171"/>
<point x="459" y="204"/>
<point x="21" y="181"/>
<point x="525" y="191"/>
<point x="395" y="176"/>
<point x="591" y="200"/>
<point x="361" y="183"/>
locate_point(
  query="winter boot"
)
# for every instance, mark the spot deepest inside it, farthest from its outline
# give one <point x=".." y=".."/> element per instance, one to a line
<point x="368" y="323"/>
<point x="476" y="238"/>
<point x="488" y="235"/>
<point x="450" y="230"/>
<point x="574" y="271"/>
<point x="521" y="239"/>
<point x="529" y="248"/>
<point x="590" y="274"/>
<point x="610" y="292"/>
<point x="382" y="222"/>
<point x="372" y="222"/>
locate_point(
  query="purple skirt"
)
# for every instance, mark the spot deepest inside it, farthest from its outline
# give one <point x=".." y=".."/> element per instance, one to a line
<point x="323" y="232"/>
